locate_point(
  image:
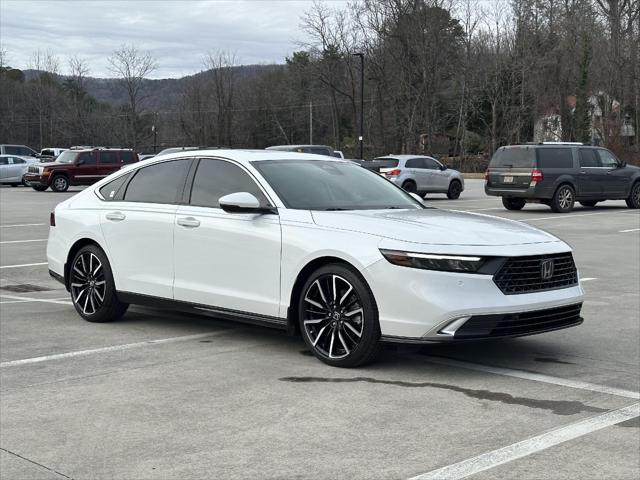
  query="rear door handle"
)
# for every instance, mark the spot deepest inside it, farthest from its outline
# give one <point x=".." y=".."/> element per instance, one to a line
<point x="189" y="222"/>
<point x="116" y="216"/>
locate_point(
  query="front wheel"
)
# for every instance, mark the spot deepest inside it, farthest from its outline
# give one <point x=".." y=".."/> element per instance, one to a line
<point x="513" y="203"/>
<point x="633" y="201"/>
<point x="563" y="200"/>
<point x="338" y="317"/>
<point x="60" y="183"/>
<point x="93" y="290"/>
<point x="455" y="189"/>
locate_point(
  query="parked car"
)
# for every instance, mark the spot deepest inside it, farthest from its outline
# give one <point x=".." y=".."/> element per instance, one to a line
<point x="183" y="149"/>
<point x="77" y="167"/>
<point x="20" y="150"/>
<point x="50" y="153"/>
<point x="315" y="149"/>
<point x="419" y="174"/>
<point x="13" y="168"/>
<point x="558" y="174"/>
<point x="313" y="244"/>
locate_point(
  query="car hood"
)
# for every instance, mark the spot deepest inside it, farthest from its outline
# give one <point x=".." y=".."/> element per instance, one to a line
<point x="49" y="164"/>
<point x="435" y="227"/>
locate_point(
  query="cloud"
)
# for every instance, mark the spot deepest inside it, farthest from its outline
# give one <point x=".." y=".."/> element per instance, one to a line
<point x="177" y="33"/>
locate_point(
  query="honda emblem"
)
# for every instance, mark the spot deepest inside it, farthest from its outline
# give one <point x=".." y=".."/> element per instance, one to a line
<point x="546" y="269"/>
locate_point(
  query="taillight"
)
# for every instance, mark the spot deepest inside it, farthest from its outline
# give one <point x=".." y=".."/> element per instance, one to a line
<point x="52" y="219"/>
<point x="393" y="173"/>
<point x="536" y="175"/>
<point x="486" y="175"/>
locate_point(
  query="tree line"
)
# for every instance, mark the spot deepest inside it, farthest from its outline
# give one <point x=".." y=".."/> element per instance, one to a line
<point x="450" y="77"/>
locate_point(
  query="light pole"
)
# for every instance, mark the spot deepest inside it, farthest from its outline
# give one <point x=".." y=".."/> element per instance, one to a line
<point x="361" y="136"/>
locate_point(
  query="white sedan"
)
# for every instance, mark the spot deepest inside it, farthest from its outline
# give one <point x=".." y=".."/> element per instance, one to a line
<point x="13" y="168"/>
<point x="309" y="244"/>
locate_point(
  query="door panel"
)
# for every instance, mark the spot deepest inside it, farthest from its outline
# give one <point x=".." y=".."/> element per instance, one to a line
<point x="591" y="175"/>
<point x="85" y="173"/>
<point x="616" y="182"/>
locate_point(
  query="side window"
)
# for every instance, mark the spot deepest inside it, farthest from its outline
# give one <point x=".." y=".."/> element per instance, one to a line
<point x="108" y="157"/>
<point x="217" y="178"/>
<point x="18" y="160"/>
<point x="12" y="150"/>
<point x="555" y="158"/>
<point x="588" y="157"/>
<point x="607" y="159"/>
<point x="415" y="163"/>
<point x="25" y="151"/>
<point x="88" y="158"/>
<point x="127" y="157"/>
<point x="158" y="183"/>
<point x="112" y="190"/>
<point x="320" y="151"/>
<point x="4" y="160"/>
<point x="431" y="164"/>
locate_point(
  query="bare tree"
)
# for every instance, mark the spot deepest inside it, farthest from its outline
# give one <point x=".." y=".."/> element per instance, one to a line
<point x="222" y="66"/>
<point x="132" y="66"/>
<point x="47" y="67"/>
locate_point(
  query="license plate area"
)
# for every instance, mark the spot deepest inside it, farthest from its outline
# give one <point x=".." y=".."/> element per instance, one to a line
<point x="507" y="179"/>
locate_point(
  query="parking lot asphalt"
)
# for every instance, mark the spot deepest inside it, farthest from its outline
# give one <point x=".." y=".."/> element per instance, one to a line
<point x="164" y="395"/>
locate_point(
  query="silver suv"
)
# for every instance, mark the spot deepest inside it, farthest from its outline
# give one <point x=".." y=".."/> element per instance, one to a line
<point x="420" y="174"/>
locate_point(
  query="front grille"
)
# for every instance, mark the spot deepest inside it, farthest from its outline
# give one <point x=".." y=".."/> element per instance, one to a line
<point x="515" y="324"/>
<point x="525" y="274"/>
<point x="34" y="170"/>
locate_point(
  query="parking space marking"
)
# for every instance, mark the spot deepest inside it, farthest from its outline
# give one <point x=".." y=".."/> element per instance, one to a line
<point x="630" y="230"/>
<point x="572" y="216"/>
<point x="24" y="265"/>
<point x="28" y="300"/>
<point x="23" y="225"/>
<point x="536" y="377"/>
<point x="31" y="299"/>
<point x="24" y="241"/>
<point x="114" y="348"/>
<point x="588" y="279"/>
<point x="532" y="445"/>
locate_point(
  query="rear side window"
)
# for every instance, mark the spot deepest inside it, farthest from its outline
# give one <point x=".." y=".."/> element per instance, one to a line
<point x="159" y="183"/>
<point x="127" y="157"/>
<point x="415" y="163"/>
<point x="87" y="158"/>
<point x="109" y="157"/>
<point x="555" y="158"/>
<point x="112" y="190"/>
<point x="515" y="157"/>
<point x="588" y="157"/>
<point x="217" y="178"/>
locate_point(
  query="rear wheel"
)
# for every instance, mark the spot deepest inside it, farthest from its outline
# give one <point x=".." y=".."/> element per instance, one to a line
<point x="633" y="201"/>
<point x="338" y="317"/>
<point x="513" y="203"/>
<point x="60" y="183"/>
<point x="93" y="290"/>
<point x="39" y="188"/>
<point x="410" y="186"/>
<point x="455" y="189"/>
<point x="589" y="203"/>
<point x="564" y="199"/>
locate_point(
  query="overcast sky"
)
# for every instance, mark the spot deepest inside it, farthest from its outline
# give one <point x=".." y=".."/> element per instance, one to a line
<point x="177" y="32"/>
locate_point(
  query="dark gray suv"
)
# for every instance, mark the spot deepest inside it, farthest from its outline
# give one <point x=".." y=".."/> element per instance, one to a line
<point x="558" y="174"/>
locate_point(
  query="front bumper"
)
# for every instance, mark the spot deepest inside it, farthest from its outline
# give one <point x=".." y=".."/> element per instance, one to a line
<point x="34" y="179"/>
<point x="416" y="305"/>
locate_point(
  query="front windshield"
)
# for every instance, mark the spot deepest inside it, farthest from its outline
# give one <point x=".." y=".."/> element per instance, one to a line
<point x="331" y="185"/>
<point x="68" y="156"/>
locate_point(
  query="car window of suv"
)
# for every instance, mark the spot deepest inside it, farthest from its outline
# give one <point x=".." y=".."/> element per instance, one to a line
<point x="158" y="183"/>
<point x="25" y="151"/>
<point x="127" y="157"/>
<point x="217" y="178"/>
<point x="109" y="157"/>
<point x="555" y="158"/>
<point x="87" y="158"/>
<point x="607" y="159"/>
<point x="415" y="163"/>
<point x="588" y="158"/>
<point x="11" y="150"/>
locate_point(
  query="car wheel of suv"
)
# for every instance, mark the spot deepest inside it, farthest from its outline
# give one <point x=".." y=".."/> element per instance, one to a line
<point x="455" y="189"/>
<point x="338" y="317"/>
<point x="563" y="200"/>
<point x="39" y="188"/>
<point x="513" y="203"/>
<point x="410" y="186"/>
<point x="60" y="183"/>
<point x="93" y="290"/>
<point x="634" y="197"/>
<point x="589" y="203"/>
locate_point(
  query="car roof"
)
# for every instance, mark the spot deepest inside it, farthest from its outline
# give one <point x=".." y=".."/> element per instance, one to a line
<point x="276" y="147"/>
<point x="247" y="156"/>
<point x="403" y="157"/>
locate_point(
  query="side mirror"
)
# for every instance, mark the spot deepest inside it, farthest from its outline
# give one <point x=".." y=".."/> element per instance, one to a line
<point x="242" y="202"/>
<point x="622" y="164"/>
<point x="443" y="167"/>
<point x="79" y="162"/>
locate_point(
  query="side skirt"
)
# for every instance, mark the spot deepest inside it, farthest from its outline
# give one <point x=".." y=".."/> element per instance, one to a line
<point x="206" y="310"/>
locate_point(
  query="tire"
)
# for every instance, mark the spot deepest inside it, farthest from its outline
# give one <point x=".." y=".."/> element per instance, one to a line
<point x="410" y="186"/>
<point x="564" y="199"/>
<point x="60" y="183"/>
<point x="93" y="291"/>
<point x="455" y="189"/>
<point x="39" y="188"/>
<point x="343" y="332"/>
<point x="513" y="203"/>
<point x="589" y="203"/>
<point x="633" y="201"/>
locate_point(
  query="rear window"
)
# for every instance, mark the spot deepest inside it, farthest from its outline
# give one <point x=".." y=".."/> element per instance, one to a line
<point x="516" y="157"/>
<point x="385" y="162"/>
<point x="555" y="158"/>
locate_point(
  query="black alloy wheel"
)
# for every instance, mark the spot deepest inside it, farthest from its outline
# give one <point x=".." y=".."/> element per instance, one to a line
<point x="634" y="196"/>
<point x="92" y="287"/>
<point x="455" y="189"/>
<point x="338" y="317"/>
<point x="563" y="200"/>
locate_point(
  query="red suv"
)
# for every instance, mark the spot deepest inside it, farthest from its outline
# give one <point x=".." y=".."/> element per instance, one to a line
<point x="77" y="167"/>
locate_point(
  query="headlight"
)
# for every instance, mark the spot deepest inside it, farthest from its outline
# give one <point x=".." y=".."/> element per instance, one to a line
<point x="429" y="261"/>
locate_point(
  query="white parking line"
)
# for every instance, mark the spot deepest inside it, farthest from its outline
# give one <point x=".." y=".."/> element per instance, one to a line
<point x="588" y="279"/>
<point x="532" y="445"/>
<point x="536" y="377"/>
<point x="23" y="225"/>
<point x="24" y="241"/>
<point x="24" y="265"/>
<point x="556" y="217"/>
<point x="31" y="299"/>
<point x="630" y="230"/>
<point x="114" y="348"/>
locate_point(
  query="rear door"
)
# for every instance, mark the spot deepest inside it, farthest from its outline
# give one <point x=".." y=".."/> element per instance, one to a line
<point x="510" y="168"/>
<point x="108" y="162"/>
<point x="616" y="182"/>
<point x="415" y="169"/>
<point x="591" y="175"/>
<point x="4" y="168"/>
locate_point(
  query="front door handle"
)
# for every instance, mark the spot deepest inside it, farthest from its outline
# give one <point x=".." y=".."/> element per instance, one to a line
<point x="116" y="216"/>
<point x="189" y="222"/>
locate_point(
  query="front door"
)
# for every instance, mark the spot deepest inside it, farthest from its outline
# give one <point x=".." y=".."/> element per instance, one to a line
<point x="591" y="175"/>
<point x="616" y="182"/>
<point x="226" y="260"/>
<point x="85" y="171"/>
